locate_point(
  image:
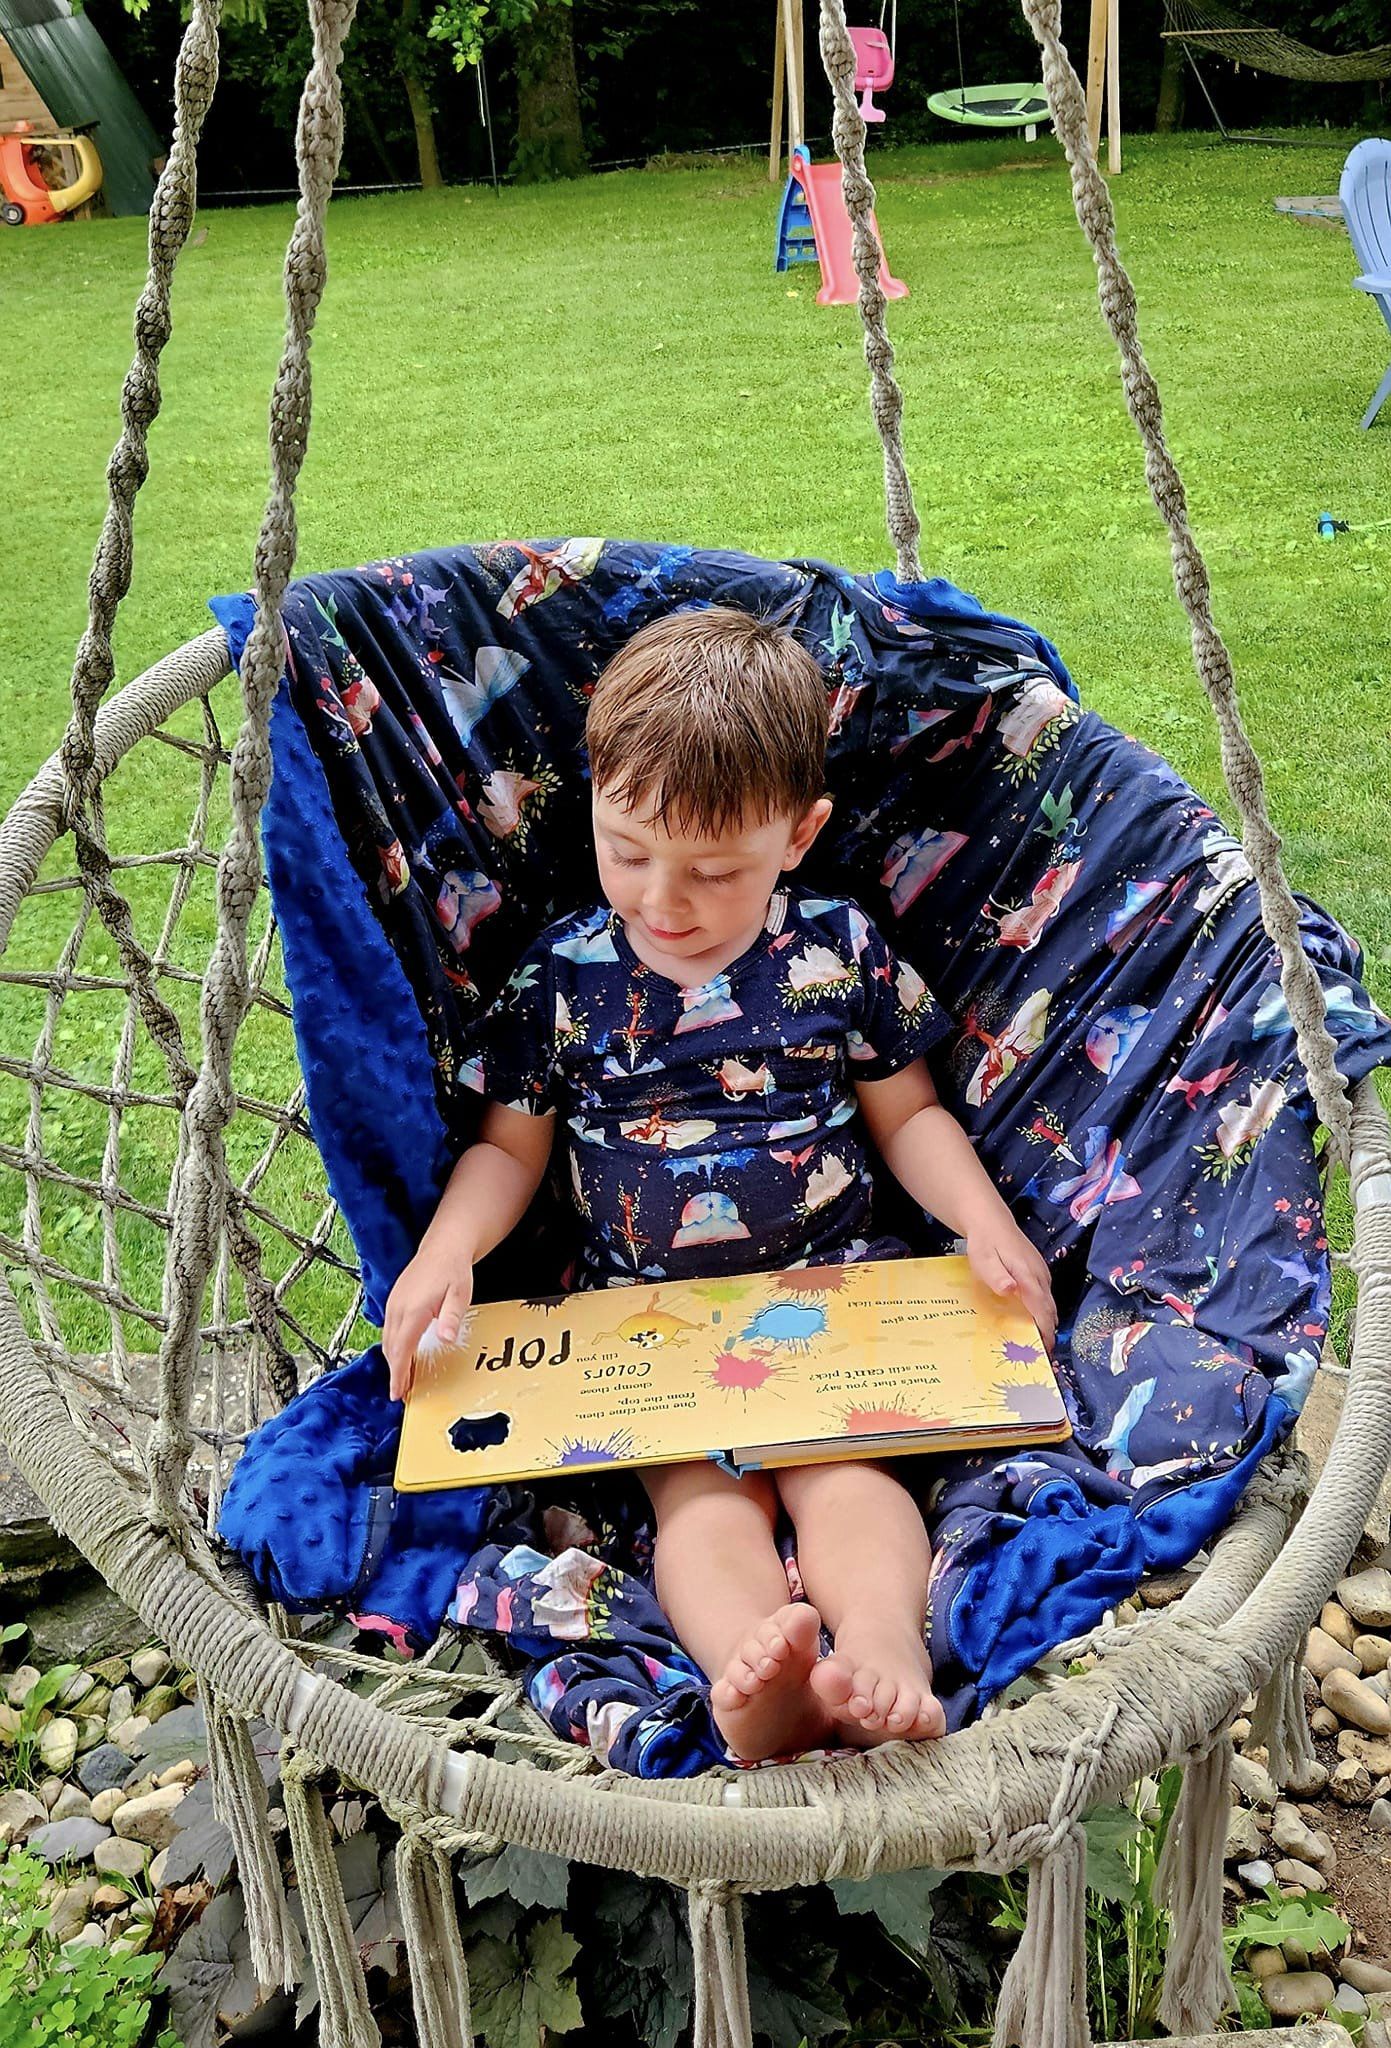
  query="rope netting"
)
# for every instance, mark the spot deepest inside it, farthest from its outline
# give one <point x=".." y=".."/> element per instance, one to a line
<point x="192" y="1253"/>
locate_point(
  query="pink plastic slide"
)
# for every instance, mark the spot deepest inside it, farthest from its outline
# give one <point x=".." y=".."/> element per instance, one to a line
<point x="830" y="223"/>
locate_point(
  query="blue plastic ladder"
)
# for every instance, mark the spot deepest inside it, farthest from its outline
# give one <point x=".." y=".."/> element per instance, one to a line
<point x="796" y="236"/>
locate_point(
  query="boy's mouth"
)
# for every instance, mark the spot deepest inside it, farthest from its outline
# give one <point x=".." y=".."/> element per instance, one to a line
<point x="658" y="933"/>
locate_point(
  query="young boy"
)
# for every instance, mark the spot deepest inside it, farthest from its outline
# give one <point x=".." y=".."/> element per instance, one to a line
<point x="725" y="1048"/>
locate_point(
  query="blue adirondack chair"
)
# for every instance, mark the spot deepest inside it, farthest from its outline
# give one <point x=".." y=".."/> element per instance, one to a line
<point x="1365" y="191"/>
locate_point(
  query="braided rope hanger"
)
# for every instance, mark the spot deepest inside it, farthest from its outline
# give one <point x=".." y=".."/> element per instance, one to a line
<point x="1241" y="766"/>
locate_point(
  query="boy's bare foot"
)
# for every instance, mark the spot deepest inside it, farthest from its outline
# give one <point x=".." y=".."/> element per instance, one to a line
<point x="762" y="1703"/>
<point x="877" y="1685"/>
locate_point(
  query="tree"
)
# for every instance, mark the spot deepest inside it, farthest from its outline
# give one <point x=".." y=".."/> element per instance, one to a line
<point x="550" y="130"/>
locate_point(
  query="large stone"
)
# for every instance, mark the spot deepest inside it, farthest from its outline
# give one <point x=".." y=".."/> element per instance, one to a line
<point x="1351" y="1783"/>
<point x="1265" y="1962"/>
<point x="1367" y="1597"/>
<point x="121" y="1705"/>
<point x="1256" y="1876"/>
<point x="1373" y="1653"/>
<point x="29" y="1543"/>
<point x="1379" y="1817"/>
<point x="118" y="1858"/>
<point x="86" y="1623"/>
<point x="1323" y="1721"/>
<point x="1365" y="1974"/>
<point x="1243" y="1836"/>
<point x="72" y="1803"/>
<point x="1290" y="1871"/>
<point x="1353" y="1700"/>
<point x="126" y="1734"/>
<point x="103" y="1767"/>
<point x="109" y="1671"/>
<point x="1373" y="1751"/>
<point x="70" y="1840"/>
<point x="21" y="1683"/>
<point x="1338" y="1623"/>
<point x="1322" y="1655"/>
<point x="1296" y="1993"/>
<point x="58" y="1745"/>
<point x="105" y="1804"/>
<point x="150" y="1667"/>
<point x="1293" y="1837"/>
<point x="150" y="1819"/>
<point x="1253" y="1781"/>
<point x="20" y="1812"/>
<point x="70" y="1906"/>
<point x="75" y="1687"/>
<point x="1347" y="1998"/>
<point x="159" y="1702"/>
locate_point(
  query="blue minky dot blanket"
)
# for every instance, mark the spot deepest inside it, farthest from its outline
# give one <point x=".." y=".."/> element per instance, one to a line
<point x="1121" y="1055"/>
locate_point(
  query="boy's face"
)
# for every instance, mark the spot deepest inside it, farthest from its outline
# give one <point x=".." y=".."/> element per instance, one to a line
<point x="687" y="898"/>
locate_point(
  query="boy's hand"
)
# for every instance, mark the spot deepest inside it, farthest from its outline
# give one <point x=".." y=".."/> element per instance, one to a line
<point x="435" y="1287"/>
<point x="1007" y="1263"/>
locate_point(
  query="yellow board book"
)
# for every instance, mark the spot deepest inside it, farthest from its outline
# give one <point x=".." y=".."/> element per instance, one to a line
<point x="872" y="1360"/>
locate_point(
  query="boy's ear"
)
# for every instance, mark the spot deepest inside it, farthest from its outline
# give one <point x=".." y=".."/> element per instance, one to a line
<point x="806" y="831"/>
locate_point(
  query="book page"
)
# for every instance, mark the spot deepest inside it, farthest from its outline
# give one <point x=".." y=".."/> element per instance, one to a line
<point x="661" y="1373"/>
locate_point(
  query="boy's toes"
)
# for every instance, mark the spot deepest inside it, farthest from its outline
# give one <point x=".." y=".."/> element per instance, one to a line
<point x="832" y="1681"/>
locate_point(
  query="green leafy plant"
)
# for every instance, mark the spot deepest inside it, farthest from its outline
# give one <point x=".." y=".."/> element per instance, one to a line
<point x="52" y="1994"/>
<point x="24" y="1762"/>
<point x="1273" y="1920"/>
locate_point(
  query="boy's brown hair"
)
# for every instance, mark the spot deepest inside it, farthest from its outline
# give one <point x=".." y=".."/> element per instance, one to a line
<point x="714" y="718"/>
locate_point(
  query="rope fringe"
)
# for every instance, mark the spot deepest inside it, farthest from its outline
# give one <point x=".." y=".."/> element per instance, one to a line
<point x="1043" y="2000"/>
<point x="345" y="2015"/>
<point x="239" y="1801"/>
<point x="1281" y="1723"/>
<point x="722" y="2016"/>
<point x="1197" y="1985"/>
<point x="434" y="1945"/>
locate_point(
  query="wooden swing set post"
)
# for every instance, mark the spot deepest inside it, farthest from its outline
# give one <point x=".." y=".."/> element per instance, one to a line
<point x="1104" y="76"/>
<point x="789" y="70"/>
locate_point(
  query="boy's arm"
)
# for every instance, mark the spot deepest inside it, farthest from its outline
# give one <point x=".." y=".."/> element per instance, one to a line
<point x="485" y="1197"/>
<point x="929" y="1153"/>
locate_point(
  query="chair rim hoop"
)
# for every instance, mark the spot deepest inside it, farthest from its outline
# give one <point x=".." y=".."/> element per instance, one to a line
<point x="949" y="1803"/>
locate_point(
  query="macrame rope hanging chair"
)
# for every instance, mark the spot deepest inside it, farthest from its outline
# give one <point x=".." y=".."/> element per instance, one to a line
<point x="448" y="1744"/>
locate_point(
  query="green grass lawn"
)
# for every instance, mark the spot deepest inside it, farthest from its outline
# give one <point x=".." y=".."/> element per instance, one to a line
<point x="618" y="357"/>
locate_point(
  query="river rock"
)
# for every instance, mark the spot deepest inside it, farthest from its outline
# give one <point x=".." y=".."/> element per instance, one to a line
<point x="109" y="1671"/>
<point x="69" y="1907"/>
<point x="20" y="1812"/>
<point x="1323" y="1721"/>
<point x="1335" y="1621"/>
<point x="1379" y="1817"/>
<point x="75" y="1687"/>
<point x="126" y="1734"/>
<point x="1367" y="1597"/>
<point x="1256" y="1875"/>
<point x="1290" y="1871"/>
<point x="1166" y="1587"/>
<point x="1295" y="1993"/>
<point x="1290" y="1834"/>
<point x="58" y="1745"/>
<point x="150" y="1819"/>
<point x="91" y="1730"/>
<point x="86" y="1623"/>
<point x="21" y="1683"/>
<point x="1265" y="1962"/>
<point x="102" y="1767"/>
<point x="185" y="1773"/>
<point x="119" y="1858"/>
<point x="1347" y="1998"/>
<point x="157" y="1864"/>
<point x="149" y="1667"/>
<point x="1253" y="1781"/>
<point x="1351" y="1783"/>
<point x="110" y="1898"/>
<point x="73" y="1840"/>
<point x="1322" y="1655"/>
<point x="1243" y="1836"/>
<point x="72" y="1802"/>
<point x="1365" y="1973"/>
<point x="161" y="1701"/>
<point x="105" y="1803"/>
<point x="1373" y="1653"/>
<point x="1352" y="1699"/>
<point x="121" y="1705"/>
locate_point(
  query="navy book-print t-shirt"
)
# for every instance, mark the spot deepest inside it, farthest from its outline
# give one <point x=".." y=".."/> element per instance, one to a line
<point x="712" y="1129"/>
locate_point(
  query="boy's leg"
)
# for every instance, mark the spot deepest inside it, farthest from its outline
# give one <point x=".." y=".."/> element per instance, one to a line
<point x="864" y="1556"/>
<point x="723" y="1587"/>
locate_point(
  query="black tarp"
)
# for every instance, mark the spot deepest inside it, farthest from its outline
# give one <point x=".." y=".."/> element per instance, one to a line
<point x="75" y="74"/>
